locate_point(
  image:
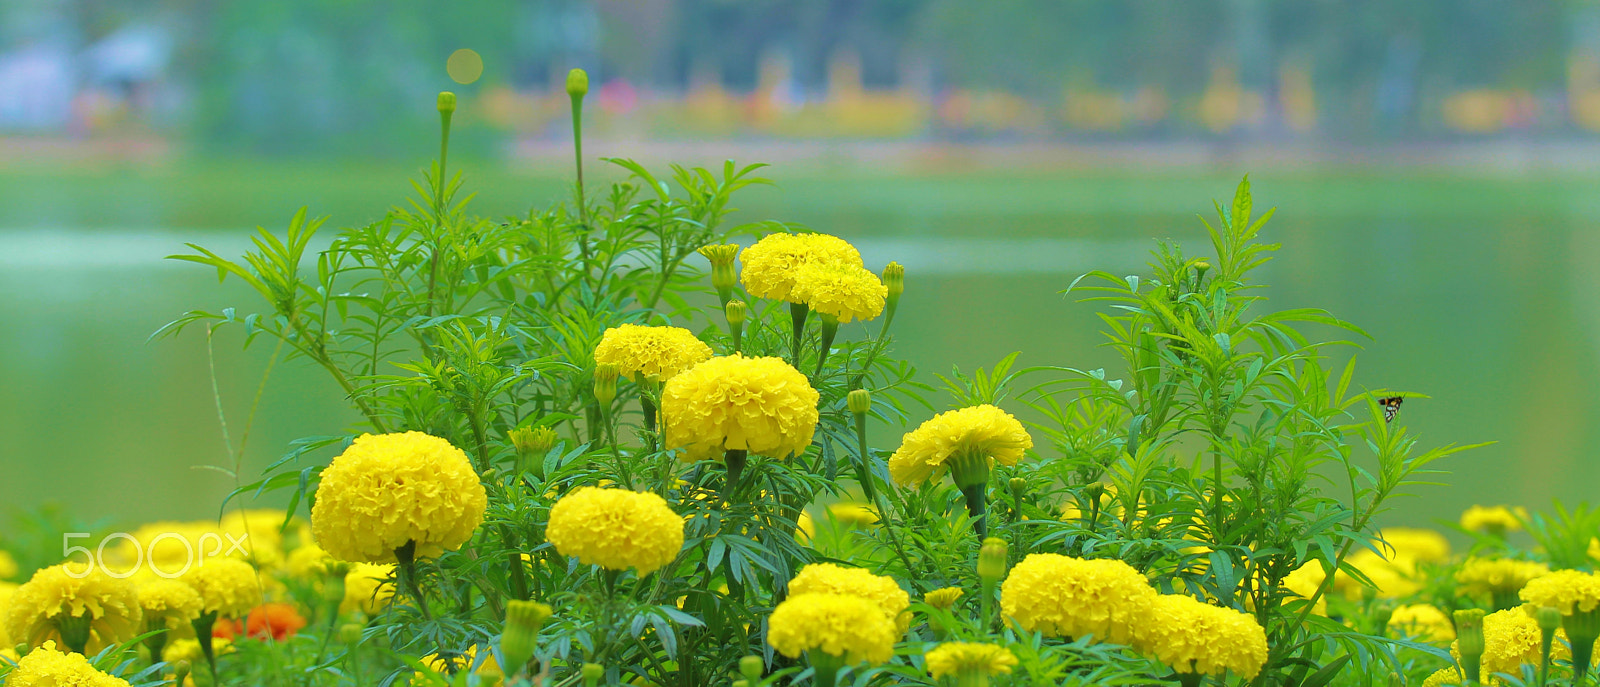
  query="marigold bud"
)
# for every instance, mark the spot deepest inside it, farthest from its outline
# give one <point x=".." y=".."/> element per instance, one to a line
<point x="447" y="102"/>
<point x="180" y="671"/>
<point x="1019" y="488"/>
<point x="521" y="635"/>
<point x="605" y="383"/>
<point x="894" y="277"/>
<point x="577" y="83"/>
<point x="1469" y="634"/>
<point x="992" y="560"/>
<point x="859" y="401"/>
<point x="751" y="667"/>
<point x="735" y="310"/>
<point x="350" y="633"/>
<point x="592" y="672"/>
<point x="722" y="276"/>
<point x="1549" y="618"/>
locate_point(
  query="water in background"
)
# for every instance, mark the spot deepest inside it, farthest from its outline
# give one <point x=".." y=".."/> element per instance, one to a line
<point x="1480" y="292"/>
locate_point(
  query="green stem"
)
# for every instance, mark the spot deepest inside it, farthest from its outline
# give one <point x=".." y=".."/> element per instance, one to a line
<point x="648" y="407"/>
<point x="577" y="153"/>
<point x="735" y="460"/>
<point x="1582" y="652"/>
<point x="986" y="604"/>
<point x="798" y="313"/>
<point x="202" y="634"/>
<point x="519" y="574"/>
<point x="864" y="460"/>
<point x="978" y="507"/>
<point x="1190" y="679"/>
<point x="407" y="572"/>
<point x="830" y="328"/>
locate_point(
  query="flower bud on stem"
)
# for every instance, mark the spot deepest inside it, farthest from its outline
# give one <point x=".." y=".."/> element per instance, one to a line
<point x="830" y="329"/>
<point x="1583" y="628"/>
<point x="577" y="87"/>
<point x="860" y="403"/>
<point x="734" y="311"/>
<point x="894" y="277"/>
<point x="1549" y="620"/>
<point x="202" y="633"/>
<point x="798" y="312"/>
<point x="592" y="672"/>
<point x="447" y="107"/>
<point x="406" y="571"/>
<point x="1469" y="643"/>
<point x="735" y="460"/>
<point x="991" y="569"/>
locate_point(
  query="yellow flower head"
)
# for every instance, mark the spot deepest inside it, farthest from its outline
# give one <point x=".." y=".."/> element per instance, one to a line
<point x="1196" y="637"/>
<point x="1413" y="545"/>
<point x="943" y="599"/>
<point x="308" y="562"/>
<point x="847" y="291"/>
<point x="1489" y="576"/>
<point x="953" y="658"/>
<point x="1500" y="519"/>
<point x="390" y="489"/>
<point x="981" y="432"/>
<point x="655" y="353"/>
<point x="1511" y="638"/>
<point x="833" y="579"/>
<point x="835" y="624"/>
<point x="1448" y="677"/>
<point x="53" y="598"/>
<point x="168" y="604"/>
<point x="772" y="265"/>
<point x="47" y="666"/>
<point x="227" y="586"/>
<point x="1423" y="622"/>
<point x="367" y="587"/>
<point x="1072" y="597"/>
<point x="1392" y="578"/>
<point x="616" y="529"/>
<point x="186" y="649"/>
<point x="1568" y="591"/>
<point x="1305" y="581"/>
<point x="856" y="515"/>
<point x="761" y="405"/>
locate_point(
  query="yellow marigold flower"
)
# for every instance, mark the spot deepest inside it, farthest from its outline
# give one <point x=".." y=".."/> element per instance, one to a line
<point x="1072" y="597"/>
<point x="847" y="291"/>
<point x="1498" y="578"/>
<point x="773" y="263"/>
<point x="833" y="579"/>
<point x="979" y="433"/>
<point x="944" y="598"/>
<point x="48" y="667"/>
<point x="94" y="611"/>
<point x="1305" y="581"/>
<point x="168" y="604"/>
<point x="451" y="663"/>
<point x="368" y="587"/>
<point x="1392" y="580"/>
<point x="1568" y="591"/>
<point x="805" y="528"/>
<point x="1413" y="545"/>
<point x="840" y="625"/>
<point x="390" y="489"/>
<point x="188" y="649"/>
<point x="8" y="565"/>
<point x="169" y="547"/>
<point x="952" y="658"/>
<point x="1511" y="638"/>
<point x="655" y="353"/>
<point x="616" y="529"/>
<point x="853" y="514"/>
<point x="227" y="587"/>
<point x="1198" y="638"/>
<point x="1448" y="677"/>
<point x="1494" y="519"/>
<point x="760" y="405"/>
<point x="308" y="562"/>
<point x="1423" y="622"/>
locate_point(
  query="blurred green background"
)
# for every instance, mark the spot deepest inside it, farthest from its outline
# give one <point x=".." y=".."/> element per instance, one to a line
<point x="1433" y="162"/>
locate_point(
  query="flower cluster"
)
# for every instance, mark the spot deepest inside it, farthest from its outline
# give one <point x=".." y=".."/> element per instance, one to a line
<point x="843" y="290"/>
<point x="773" y="264"/>
<point x="955" y="658"/>
<point x="983" y="433"/>
<point x="1493" y="519"/>
<point x="760" y="405"/>
<point x="1490" y="576"/>
<point x="1568" y="591"/>
<point x="85" y="613"/>
<point x="882" y="591"/>
<point x="389" y="490"/>
<point x="653" y="353"/>
<point x="1072" y="597"/>
<point x="616" y="529"/>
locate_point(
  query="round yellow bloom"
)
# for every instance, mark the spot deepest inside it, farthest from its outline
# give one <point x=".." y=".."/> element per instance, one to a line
<point x="951" y="658"/>
<point x="655" y="353"/>
<point x="846" y="291"/>
<point x="227" y="587"/>
<point x="836" y="624"/>
<point x="760" y="405"/>
<point x="308" y="562"/>
<point x="1423" y="622"/>
<point x="48" y="667"/>
<point x="1448" y="677"/>
<point x="367" y="587"/>
<point x="53" y="598"/>
<point x="1511" y="638"/>
<point x="944" y="598"/>
<point x="833" y="579"/>
<point x="616" y="529"/>
<point x="981" y="432"/>
<point x="168" y="604"/>
<point x="1196" y="637"/>
<point x="773" y="263"/>
<point x="1414" y="545"/>
<point x="1500" y="519"/>
<point x="1064" y="596"/>
<point x="1568" y="591"/>
<point x="390" y="489"/>
<point x="1305" y="581"/>
<point x="1489" y="577"/>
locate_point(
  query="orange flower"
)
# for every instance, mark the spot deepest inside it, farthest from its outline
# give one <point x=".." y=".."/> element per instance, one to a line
<point x="276" y="620"/>
<point x="227" y="628"/>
